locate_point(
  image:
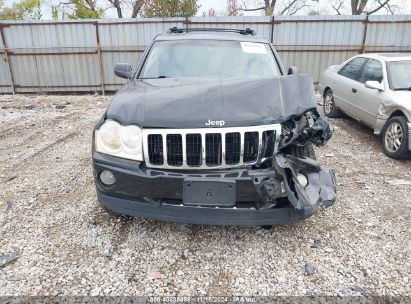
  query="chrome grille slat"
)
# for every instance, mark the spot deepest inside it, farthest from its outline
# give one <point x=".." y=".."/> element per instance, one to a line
<point x="203" y="151"/>
<point x="219" y="149"/>
<point x="242" y="148"/>
<point x="184" y="149"/>
<point x="260" y="145"/>
<point x="165" y="149"/>
<point x="223" y="149"/>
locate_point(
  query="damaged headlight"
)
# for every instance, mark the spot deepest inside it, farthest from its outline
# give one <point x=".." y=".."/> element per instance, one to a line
<point x="302" y="180"/>
<point x="121" y="141"/>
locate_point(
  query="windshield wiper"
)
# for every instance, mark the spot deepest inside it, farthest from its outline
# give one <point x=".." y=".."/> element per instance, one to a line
<point x="403" y="89"/>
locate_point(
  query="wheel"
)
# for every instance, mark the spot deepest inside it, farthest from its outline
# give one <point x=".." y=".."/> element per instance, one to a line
<point x="303" y="151"/>
<point x="394" y="137"/>
<point x="330" y="110"/>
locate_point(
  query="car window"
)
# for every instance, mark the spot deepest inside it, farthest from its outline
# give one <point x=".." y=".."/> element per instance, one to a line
<point x="352" y="68"/>
<point x="371" y="71"/>
<point x="399" y="74"/>
<point x="210" y="58"/>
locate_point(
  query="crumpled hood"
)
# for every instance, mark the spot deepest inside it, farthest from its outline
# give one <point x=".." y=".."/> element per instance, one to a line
<point x="176" y="103"/>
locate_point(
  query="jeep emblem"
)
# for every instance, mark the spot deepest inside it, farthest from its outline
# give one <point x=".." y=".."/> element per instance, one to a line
<point x="219" y="123"/>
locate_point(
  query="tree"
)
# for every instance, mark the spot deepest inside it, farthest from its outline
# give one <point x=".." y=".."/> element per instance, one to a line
<point x="268" y="7"/>
<point x="210" y="13"/>
<point x="84" y="9"/>
<point x="76" y="9"/>
<point x="233" y="8"/>
<point x="170" y="8"/>
<point x="137" y="6"/>
<point x="285" y="7"/>
<point x="117" y="4"/>
<point x="25" y="9"/>
<point x="366" y="7"/>
<point x="358" y="6"/>
<point x="338" y="6"/>
<point x="121" y="6"/>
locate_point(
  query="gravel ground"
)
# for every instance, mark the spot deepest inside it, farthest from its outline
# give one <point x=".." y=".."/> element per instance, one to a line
<point x="56" y="240"/>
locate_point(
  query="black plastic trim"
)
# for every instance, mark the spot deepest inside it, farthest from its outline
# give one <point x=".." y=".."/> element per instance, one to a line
<point x="203" y="215"/>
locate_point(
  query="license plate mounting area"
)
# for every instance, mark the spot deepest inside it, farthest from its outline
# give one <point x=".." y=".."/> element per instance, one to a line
<point x="206" y="192"/>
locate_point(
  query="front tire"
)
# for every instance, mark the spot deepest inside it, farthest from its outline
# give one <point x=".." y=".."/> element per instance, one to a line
<point x="330" y="110"/>
<point x="394" y="137"/>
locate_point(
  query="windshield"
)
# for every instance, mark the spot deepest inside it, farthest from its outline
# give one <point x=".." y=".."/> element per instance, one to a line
<point x="209" y="58"/>
<point x="399" y="74"/>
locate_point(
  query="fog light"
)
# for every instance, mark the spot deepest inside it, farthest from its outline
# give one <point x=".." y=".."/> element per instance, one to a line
<point x="302" y="180"/>
<point x="107" y="177"/>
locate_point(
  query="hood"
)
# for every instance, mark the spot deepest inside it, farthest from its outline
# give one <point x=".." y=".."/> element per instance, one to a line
<point x="406" y="95"/>
<point x="176" y="103"/>
<point x="403" y="100"/>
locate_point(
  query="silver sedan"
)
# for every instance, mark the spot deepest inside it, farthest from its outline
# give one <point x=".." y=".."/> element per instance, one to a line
<point x="376" y="90"/>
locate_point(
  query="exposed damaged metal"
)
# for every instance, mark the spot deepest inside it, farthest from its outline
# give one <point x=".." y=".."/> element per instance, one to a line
<point x="301" y="179"/>
<point x="320" y="187"/>
<point x="310" y="127"/>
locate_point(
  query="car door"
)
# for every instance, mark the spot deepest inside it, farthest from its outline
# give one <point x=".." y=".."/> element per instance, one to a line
<point x="347" y="84"/>
<point x="368" y="100"/>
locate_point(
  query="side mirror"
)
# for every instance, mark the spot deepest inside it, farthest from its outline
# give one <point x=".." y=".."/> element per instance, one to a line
<point x="123" y="70"/>
<point x="292" y="70"/>
<point x="375" y="85"/>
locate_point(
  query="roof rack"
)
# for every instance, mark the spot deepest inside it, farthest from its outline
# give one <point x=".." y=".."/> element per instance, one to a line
<point x="176" y="30"/>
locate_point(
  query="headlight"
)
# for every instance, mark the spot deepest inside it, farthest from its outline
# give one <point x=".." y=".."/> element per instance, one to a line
<point x="121" y="141"/>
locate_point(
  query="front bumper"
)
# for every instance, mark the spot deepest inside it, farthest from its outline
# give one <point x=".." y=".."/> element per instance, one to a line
<point x="157" y="194"/>
<point x="202" y="215"/>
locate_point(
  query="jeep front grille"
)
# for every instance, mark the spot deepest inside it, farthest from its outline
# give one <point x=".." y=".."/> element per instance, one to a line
<point x="209" y="148"/>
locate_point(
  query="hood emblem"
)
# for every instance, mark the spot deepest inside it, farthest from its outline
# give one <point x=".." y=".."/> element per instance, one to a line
<point x="218" y="123"/>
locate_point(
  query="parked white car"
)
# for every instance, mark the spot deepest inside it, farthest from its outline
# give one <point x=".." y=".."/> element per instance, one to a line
<point x="376" y="90"/>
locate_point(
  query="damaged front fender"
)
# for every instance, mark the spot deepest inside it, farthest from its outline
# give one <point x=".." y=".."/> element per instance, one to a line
<point x="298" y="176"/>
<point x="306" y="129"/>
<point x="304" y="181"/>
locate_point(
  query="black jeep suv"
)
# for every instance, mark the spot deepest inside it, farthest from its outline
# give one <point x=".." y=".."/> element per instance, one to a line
<point x="210" y="129"/>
